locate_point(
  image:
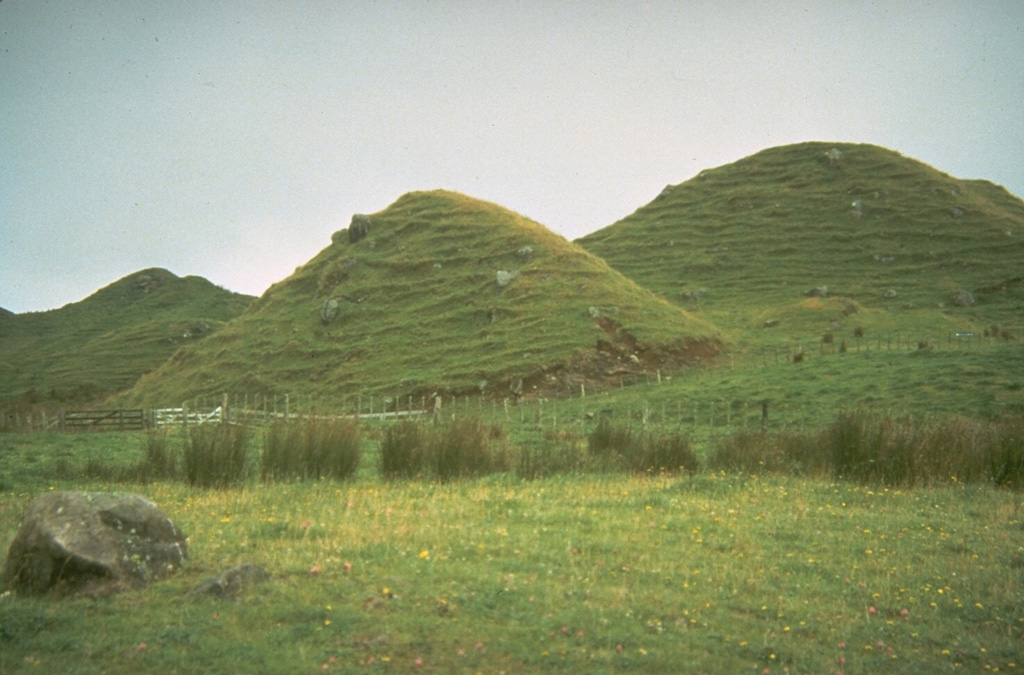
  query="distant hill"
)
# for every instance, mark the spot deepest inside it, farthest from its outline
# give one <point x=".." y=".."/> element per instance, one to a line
<point x="446" y="294"/>
<point x="820" y="236"/>
<point x="89" y="349"/>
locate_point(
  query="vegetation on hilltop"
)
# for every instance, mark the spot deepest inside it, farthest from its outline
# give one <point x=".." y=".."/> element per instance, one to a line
<point x="444" y="294"/>
<point x="102" y="344"/>
<point x="892" y="241"/>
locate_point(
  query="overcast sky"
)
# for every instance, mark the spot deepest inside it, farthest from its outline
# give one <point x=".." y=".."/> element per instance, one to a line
<point x="231" y="139"/>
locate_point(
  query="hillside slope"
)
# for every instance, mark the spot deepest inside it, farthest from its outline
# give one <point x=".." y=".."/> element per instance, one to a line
<point x="444" y="293"/>
<point x="805" y="236"/>
<point x="102" y="344"/>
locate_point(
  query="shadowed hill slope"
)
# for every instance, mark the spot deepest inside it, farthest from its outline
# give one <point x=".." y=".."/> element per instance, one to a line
<point x="805" y="236"/>
<point x="444" y="293"/>
<point x="102" y="344"/>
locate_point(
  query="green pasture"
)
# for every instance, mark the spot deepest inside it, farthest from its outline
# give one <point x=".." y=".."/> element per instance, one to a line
<point x="708" y="573"/>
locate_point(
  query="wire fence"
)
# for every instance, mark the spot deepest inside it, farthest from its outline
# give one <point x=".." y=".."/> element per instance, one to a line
<point x="698" y="415"/>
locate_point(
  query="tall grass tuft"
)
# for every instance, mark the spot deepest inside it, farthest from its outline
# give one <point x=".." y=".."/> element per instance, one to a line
<point x="1006" y="462"/>
<point x="608" y="444"/>
<point x="468" y="447"/>
<point x="878" y="450"/>
<point x="402" y="450"/>
<point x="160" y="461"/>
<point x="669" y="453"/>
<point x="214" y="455"/>
<point x="615" y="448"/>
<point x="311" y="449"/>
<point x="561" y="453"/>
<point x="459" y="449"/>
<point x="752" y="452"/>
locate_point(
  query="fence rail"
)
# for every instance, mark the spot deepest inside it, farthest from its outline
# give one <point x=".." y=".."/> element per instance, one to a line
<point x="105" y="420"/>
<point x="163" y="417"/>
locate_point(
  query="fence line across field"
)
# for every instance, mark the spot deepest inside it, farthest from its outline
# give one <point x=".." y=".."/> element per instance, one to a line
<point x="539" y="412"/>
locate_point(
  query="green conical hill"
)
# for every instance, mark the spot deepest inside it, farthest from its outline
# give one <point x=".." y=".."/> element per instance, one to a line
<point x="889" y="238"/>
<point x="444" y="293"/>
<point x="102" y="344"/>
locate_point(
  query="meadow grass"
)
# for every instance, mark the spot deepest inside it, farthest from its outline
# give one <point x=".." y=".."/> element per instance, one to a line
<point x="707" y="573"/>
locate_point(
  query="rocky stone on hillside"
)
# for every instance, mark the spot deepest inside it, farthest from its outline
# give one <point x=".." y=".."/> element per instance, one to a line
<point x="856" y="209"/>
<point x="231" y="582"/>
<point x="600" y="312"/>
<point x="956" y="212"/>
<point x="817" y="292"/>
<point x="329" y="310"/>
<point x="525" y="254"/>
<point x="146" y="283"/>
<point x="358" y="228"/>
<point x="505" y="278"/>
<point x="890" y="293"/>
<point x="76" y="541"/>
<point x="771" y="323"/>
<point x="834" y="157"/>
<point x="963" y="299"/>
<point x="516" y="387"/>
<point x="693" y="296"/>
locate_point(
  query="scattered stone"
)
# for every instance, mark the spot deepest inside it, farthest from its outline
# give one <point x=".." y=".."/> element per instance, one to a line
<point x="963" y="299"/>
<point x="834" y="158"/>
<point x="358" y="228"/>
<point x="329" y="310"/>
<point x="74" y="540"/>
<point x="771" y="323"/>
<point x="231" y="582"/>
<point x="693" y="296"/>
<point x="956" y="212"/>
<point x="146" y="283"/>
<point x="516" y="386"/>
<point x="890" y="293"/>
<point x="856" y="209"/>
<point x="817" y="292"/>
<point x="598" y="312"/>
<point x="525" y="254"/>
<point x="505" y="278"/>
<point x="437" y="266"/>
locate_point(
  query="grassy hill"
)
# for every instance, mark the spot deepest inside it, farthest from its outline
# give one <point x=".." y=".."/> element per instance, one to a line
<point x="102" y="344"/>
<point x="445" y="293"/>
<point x="893" y="241"/>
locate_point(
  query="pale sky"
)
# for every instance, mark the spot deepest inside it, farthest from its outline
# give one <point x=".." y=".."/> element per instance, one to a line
<point x="231" y="139"/>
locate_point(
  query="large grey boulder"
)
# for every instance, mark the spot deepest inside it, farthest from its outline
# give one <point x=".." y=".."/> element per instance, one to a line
<point x="74" y="540"/>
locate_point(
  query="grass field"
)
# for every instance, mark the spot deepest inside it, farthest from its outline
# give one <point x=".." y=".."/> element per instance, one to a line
<point x="590" y="568"/>
<point x="582" y="573"/>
